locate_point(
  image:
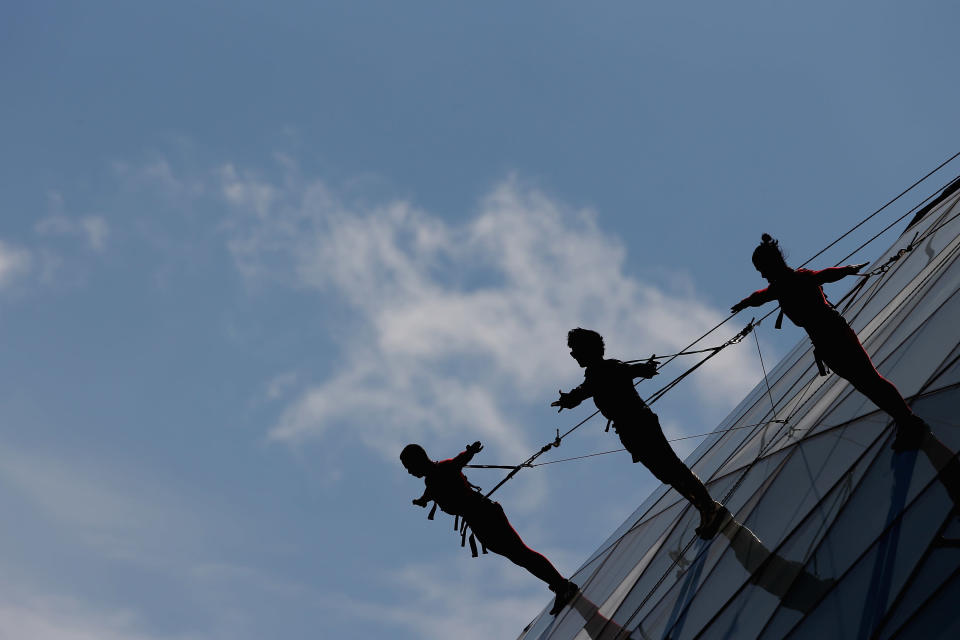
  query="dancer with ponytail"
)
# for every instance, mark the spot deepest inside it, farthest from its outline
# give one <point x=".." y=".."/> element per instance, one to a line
<point x="801" y="298"/>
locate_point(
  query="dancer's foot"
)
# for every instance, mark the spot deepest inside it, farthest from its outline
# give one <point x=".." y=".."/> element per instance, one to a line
<point x="711" y="516"/>
<point x="910" y="435"/>
<point x="565" y="592"/>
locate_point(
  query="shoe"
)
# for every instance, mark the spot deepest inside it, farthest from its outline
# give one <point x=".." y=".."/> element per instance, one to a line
<point x="565" y="593"/>
<point x="710" y="520"/>
<point x="910" y="435"/>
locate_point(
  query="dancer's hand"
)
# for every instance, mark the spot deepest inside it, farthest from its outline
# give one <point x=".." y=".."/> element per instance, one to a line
<point x="651" y="368"/>
<point x="474" y="448"/>
<point x="563" y="402"/>
<point x="855" y="268"/>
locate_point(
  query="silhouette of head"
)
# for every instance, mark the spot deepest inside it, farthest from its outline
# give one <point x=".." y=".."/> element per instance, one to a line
<point x="768" y="259"/>
<point x="415" y="460"/>
<point x="586" y="346"/>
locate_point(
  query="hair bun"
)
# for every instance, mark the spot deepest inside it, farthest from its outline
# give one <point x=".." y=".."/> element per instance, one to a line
<point x="767" y="238"/>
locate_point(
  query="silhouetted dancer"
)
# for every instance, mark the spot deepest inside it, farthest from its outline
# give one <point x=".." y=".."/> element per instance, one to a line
<point x="801" y="298"/>
<point x="452" y="492"/>
<point x="610" y="383"/>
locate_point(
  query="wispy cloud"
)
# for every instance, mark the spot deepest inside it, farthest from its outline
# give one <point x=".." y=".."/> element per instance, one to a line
<point x="14" y="262"/>
<point x="456" y="328"/>
<point x="109" y="509"/>
<point x="438" y="603"/>
<point x="62" y="618"/>
<point x="159" y="175"/>
<point x="93" y="229"/>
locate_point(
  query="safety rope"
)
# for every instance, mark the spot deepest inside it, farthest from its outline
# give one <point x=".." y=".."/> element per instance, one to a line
<point x="656" y="396"/>
<point x="763" y="449"/>
<point x="875" y="213"/>
<point x="882" y="269"/>
<point x="713" y="351"/>
<point x="878" y="271"/>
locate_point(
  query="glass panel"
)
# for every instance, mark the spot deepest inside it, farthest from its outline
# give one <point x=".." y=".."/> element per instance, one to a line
<point x="627" y="560"/>
<point x="677" y="554"/>
<point x="815" y="466"/>
<point x="891" y="483"/>
<point x="914" y="362"/>
<point x="827" y="501"/>
<point x="774" y="569"/>
<point x="939" y="410"/>
<point x="938" y="619"/>
<point x="949" y="370"/>
<point x="761" y="442"/>
<point x="536" y="627"/>
<point x="942" y="561"/>
<point x="903" y="276"/>
<point x="856" y="607"/>
<point x="921" y="304"/>
<point x="660" y="500"/>
<point x="711" y="455"/>
<point x="671" y="612"/>
<point x="850" y="405"/>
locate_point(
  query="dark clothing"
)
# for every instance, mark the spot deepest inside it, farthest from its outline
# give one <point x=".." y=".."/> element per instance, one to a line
<point x="801" y="297"/>
<point x="643" y="438"/>
<point x="449" y="488"/>
<point x="610" y="384"/>
<point x="802" y="300"/>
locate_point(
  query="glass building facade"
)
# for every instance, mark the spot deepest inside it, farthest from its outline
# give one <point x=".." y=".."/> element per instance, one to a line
<point x="832" y="534"/>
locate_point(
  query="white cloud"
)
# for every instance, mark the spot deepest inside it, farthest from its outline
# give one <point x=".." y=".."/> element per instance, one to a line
<point x="280" y="385"/>
<point x="247" y="191"/>
<point x="160" y="176"/>
<point x="110" y="510"/>
<point x="61" y="618"/>
<point x="438" y="602"/>
<point x="94" y="229"/>
<point x="14" y="262"/>
<point x="457" y="327"/>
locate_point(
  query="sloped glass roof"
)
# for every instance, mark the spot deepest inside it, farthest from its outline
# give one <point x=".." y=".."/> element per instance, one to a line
<point x="832" y="534"/>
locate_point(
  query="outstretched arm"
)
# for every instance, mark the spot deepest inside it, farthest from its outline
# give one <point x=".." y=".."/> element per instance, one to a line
<point x="755" y="299"/>
<point x="424" y="499"/>
<point x="646" y="369"/>
<point x="836" y="273"/>
<point x="467" y="454"/>
<point x="572" y="399"/>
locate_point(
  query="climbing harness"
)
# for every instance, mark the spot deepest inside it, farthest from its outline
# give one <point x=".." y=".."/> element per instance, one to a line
<point x="461" y="526"/>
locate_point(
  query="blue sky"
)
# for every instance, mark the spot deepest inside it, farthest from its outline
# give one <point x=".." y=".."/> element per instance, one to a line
<point x="247" y="253"/>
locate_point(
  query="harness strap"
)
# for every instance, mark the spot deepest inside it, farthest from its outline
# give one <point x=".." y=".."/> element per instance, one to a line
<point x="820" y="366"/>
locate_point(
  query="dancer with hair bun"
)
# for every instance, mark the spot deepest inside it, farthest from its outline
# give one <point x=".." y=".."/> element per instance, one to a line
<point x="801" y="298"/>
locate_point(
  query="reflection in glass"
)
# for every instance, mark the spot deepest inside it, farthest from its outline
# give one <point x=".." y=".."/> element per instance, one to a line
<point x="599" y="627"/>
<point x="797" y="588"/>
<point x="947" y="466"/>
